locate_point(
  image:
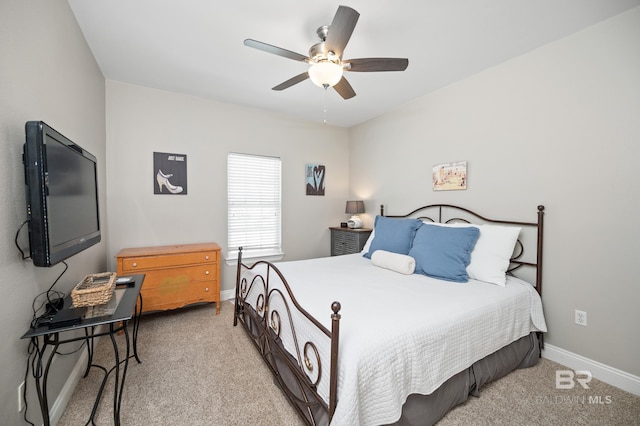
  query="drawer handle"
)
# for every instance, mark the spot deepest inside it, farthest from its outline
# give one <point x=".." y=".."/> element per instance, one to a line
<point x="206" y="258"/>
<point x="134" y="264"/>
<point x="206" y="272"/>
<point x="206" y="289"/>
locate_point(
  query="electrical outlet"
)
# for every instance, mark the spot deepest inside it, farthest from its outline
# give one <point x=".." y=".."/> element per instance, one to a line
<point x="20" y="397"/>
<point x="581" y="318"/>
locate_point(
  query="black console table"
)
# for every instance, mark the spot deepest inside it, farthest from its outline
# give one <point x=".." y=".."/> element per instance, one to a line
<point x="125" y="304"/>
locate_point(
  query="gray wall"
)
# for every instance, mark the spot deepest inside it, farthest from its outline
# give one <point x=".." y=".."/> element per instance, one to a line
<point x="141" y="121"/>
<point x="48" y="73"/>
<point x="558" y="126"/>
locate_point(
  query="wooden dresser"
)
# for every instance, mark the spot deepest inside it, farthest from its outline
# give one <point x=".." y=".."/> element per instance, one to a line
<point x="176" y="275"/>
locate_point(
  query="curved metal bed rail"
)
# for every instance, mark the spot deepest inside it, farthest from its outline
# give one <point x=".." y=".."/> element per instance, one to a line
<point x="297" y="371"/>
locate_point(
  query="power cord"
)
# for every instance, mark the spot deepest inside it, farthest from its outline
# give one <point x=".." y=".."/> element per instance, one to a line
<point x="51" y="303"/>
<point x="16" y="240"/>
<point x="30" y="350"/>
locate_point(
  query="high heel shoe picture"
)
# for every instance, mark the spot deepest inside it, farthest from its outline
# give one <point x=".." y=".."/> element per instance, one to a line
<point x="163" y="180"/>
<point x="169" y="173"/>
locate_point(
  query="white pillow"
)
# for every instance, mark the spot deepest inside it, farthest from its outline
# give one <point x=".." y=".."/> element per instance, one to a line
<point x="492" y="253"/>
<point x="365" y="248"/>
<point x="491" y="256"/>
<point x="394" y="261"/>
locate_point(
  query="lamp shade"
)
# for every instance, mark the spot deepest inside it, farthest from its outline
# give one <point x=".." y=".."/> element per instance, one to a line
<point x="325" y="73"/>
<point x="354" y="207"/>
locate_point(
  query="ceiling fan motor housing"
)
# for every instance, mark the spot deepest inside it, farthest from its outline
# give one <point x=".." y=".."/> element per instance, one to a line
<point x="319" y="53"/>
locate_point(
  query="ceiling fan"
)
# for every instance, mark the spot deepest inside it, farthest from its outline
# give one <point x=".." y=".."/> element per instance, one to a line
<point x="325" y="57"/>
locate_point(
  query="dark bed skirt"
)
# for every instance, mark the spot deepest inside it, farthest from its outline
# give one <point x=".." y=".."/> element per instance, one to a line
<point x="428" y="409"/>
<point x="418" y="409"/>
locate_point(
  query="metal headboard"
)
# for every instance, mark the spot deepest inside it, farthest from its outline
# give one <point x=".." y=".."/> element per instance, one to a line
<point x="436" y="213"/>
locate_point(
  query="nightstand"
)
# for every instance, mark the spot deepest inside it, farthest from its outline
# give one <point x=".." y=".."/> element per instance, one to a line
<point x="347" y="240"/>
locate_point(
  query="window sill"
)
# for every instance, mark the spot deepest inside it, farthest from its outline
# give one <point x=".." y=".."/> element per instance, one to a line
<point x="254" y="257"/>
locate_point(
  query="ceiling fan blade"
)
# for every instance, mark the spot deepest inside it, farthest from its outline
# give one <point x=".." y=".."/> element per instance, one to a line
<point x="377" y="64"/>
<point x="275" y="50"/>
<point x="294" y="80"/>
<point x="344" y="89"/>
<point x="341" y="29"/>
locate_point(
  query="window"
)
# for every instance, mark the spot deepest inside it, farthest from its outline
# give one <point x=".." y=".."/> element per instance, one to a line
<point x="253" y="202"/>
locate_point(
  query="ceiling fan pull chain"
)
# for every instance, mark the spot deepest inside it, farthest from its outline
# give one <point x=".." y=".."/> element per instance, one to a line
<point x="324" y="105"/>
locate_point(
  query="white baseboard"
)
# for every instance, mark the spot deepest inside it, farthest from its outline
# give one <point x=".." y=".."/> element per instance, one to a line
<point x="60" y="404"/>
<point x="613" y="376"/>
<point x="228" y="294"/>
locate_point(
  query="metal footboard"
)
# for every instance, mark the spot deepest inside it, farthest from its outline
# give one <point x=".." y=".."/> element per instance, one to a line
<point x="266" y="308"/>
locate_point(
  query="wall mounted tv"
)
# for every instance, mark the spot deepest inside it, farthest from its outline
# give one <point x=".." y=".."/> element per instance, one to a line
<point x="62" y="195"/>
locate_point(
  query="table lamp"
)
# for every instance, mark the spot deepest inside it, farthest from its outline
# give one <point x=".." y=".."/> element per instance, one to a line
<point x="354" y="208"/>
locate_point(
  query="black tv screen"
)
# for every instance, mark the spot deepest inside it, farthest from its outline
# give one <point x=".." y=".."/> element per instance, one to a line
<point x="62" y="195"/>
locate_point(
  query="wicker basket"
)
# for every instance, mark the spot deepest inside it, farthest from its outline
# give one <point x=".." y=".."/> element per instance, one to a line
<point x="94" y="289"/>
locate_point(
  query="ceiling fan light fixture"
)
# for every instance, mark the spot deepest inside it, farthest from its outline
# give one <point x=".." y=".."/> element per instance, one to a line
<point x="325" y="73"/>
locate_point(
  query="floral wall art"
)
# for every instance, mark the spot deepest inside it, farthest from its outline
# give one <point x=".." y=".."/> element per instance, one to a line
<point x="169" y="173"/>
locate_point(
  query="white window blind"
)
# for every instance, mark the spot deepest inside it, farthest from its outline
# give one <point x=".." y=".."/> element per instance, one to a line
<point x="253" y="200"/>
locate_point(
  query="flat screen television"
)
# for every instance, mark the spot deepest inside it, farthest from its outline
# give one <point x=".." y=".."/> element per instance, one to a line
<point x="62" y="195"/>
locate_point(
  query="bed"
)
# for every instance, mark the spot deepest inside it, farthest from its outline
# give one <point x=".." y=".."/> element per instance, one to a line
<point x="441" y="301"/>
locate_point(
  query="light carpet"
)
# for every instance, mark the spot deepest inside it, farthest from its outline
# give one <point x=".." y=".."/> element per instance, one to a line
<point x="197" y="369"/>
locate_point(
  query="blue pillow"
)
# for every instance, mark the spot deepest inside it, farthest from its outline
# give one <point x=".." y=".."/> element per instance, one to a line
<point x="392" y="234"/>
<point x="444" y="252"/>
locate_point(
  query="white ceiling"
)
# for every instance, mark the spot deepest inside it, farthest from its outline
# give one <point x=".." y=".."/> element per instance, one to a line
<point x="196" y="46"/>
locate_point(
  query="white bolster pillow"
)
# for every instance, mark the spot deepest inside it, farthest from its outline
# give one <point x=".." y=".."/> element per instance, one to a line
<point x="394" y="261"/>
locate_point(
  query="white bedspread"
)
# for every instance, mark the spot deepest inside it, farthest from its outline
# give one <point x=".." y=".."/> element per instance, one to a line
<point x="401" y="334"/>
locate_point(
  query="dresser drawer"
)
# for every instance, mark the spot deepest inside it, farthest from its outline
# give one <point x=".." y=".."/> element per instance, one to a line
<point x="172" y="296"/>
<point x="134" y="264"/>
<point x="179" y="276"/>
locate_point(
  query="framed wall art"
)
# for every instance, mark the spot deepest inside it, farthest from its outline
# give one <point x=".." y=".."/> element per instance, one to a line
<point x="169" y="173"/>
<point x="450" y="176"/>
<point x="315" y="176"/>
